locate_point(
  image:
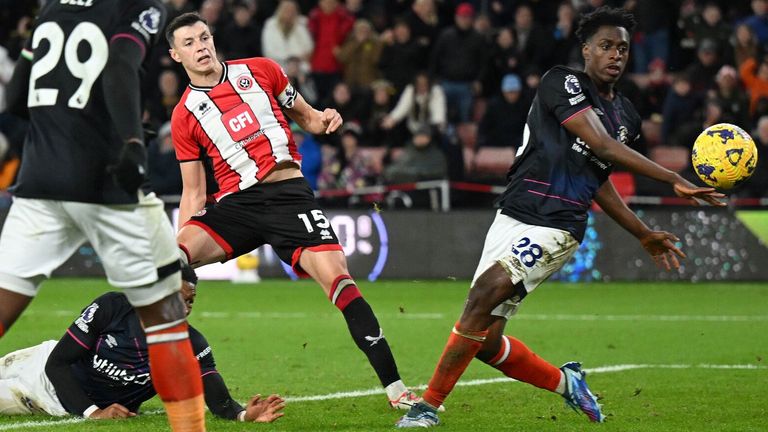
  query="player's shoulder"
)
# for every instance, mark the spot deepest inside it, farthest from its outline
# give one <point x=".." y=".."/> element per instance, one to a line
<point x="108" y="303"/>
<point x="570" y="79"/>
<point x="180" y="110"/>
<point x="254" y="62"/>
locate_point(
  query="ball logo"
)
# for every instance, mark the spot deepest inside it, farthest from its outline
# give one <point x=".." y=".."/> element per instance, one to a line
<point x="572" y="84"/>
<point x="244" y="82"/>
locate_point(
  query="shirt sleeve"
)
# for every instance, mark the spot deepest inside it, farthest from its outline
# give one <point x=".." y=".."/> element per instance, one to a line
<point x="562" y="93"/>
<point x="141" y="21"/>
<point x="92" y="321"/>
<point x="187" y="149"/>
<point x="202" y="351"/>
<point x="281" y="87"/>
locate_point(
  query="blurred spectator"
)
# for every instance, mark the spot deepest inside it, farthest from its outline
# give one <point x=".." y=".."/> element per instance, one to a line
<point x="161" y="108"/>
<point x="709" y="25"/>
<point x="483" y="27"/>
<point x="212" y="11"/>
<point x="680" y="106"/>
<point x="703" y="70"/>
<point x="501" y="12"/>
<point x="654" y="89"/>
<point x="424" y="24"/>
<point x="759" y="20"/>
<point x="360" y="55"/>
<point x="6" y="71"/>
<point x="757" y="185"/>
<point x="400" y="56"/>
<point x="421" y="159"/>
<point x="175" y="8"/>
<point x="422" y="103"/>
<point x="351" y="108"/>
<point x="357" y="169"/>
<point x="329" y="24"/>
<point x="381" y="104"/>
<point x="164" y="173"/>
<point x="504" y="120"/>
<point x="504" y="59"/>
<point x="567" y="49"/>
<point x="286" y="35"/>
<point x="533" y="42"/>
<point x="745" y="45"/>
<point x="733" y="101"/>
<point x="651" y="39"/>
<point x="458" y="59"/>
<point x="311" y="156"/>
<point x="241" y="37"/>
<point x="300" y="79"/>
<point x="755" y="79"/>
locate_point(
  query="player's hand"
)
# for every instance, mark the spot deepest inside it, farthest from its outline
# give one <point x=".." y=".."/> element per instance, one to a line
<point x="685" y="189"/>
<point x="331" y="120"/>
<point x="660" y="245"/>
<point x="130" y="171"/>
<point x="114" y="411"/>
<point x="266" y="410"/>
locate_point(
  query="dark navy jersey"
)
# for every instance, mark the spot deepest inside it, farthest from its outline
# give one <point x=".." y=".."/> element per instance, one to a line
<point x="72" y="138"/>
<point x="116" y="369"/>
<point x="555" y="175"/>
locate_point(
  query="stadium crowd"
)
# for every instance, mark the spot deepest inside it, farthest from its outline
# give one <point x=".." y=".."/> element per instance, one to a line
<point x="434" y="89"/>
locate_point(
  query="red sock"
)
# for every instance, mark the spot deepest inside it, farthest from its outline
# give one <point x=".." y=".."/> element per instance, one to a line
<point x="2" y="329"/>
<point x="459" y="351"/>
<point x="517" y="361"/>
<point x="176" y="376"/>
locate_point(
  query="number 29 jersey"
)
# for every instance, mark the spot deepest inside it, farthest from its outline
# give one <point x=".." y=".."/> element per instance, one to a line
<point x="72" y="138"/>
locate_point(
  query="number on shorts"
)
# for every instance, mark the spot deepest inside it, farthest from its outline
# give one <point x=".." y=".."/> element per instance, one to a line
<point x="528" y="252"/>
<point x="320" y="220"/>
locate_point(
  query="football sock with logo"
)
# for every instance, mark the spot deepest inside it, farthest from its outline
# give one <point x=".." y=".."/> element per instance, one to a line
<point x="176" y="375"/>
<point x="517" y="361"/>
<point x="461" y="348"/>
<point x="364" y="328"/>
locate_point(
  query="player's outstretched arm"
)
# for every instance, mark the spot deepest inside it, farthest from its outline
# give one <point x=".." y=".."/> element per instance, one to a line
<point x="588" y="127"/>
<point x="314" y="121"/>
<point x="659" y="244"/>
<point x="266" y="410"/>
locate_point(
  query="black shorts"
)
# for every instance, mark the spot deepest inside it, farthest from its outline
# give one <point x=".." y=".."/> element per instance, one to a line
<point x="283" y="215"/>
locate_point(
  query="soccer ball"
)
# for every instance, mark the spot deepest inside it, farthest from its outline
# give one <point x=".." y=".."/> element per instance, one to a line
<point x="724" y="156"/>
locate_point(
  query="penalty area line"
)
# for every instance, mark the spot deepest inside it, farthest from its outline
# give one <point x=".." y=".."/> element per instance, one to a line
<point x="377" y="391"/>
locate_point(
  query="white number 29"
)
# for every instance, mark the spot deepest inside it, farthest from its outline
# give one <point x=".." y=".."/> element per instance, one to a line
<point x="87" y="71"/>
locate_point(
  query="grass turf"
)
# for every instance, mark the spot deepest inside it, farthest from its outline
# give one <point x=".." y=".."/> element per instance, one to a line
<point x="285" y="337"/>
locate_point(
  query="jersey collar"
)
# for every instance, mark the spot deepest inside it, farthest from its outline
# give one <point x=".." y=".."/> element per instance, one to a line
<point x="223" y="78"/>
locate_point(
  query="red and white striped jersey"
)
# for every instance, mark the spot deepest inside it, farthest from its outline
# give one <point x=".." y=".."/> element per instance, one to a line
<point x="237" y="123"/>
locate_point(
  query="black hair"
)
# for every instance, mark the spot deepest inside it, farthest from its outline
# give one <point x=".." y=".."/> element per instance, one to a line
<point x="589" y="24"/>
<point x="183" y="20"/>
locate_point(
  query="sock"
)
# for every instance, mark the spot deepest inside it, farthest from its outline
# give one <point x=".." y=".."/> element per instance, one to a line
<point x="395" y="390"/>
<point x="364" y="328"/>
<point x="2" y="329"/>
<point x="176" y="375"/>
<point x="461" y="348"/>
<point x="517" y="361"/>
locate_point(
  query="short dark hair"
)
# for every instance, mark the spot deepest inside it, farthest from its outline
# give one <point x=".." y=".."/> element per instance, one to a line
<point x="589" y="24"/>
<point x="183" y="20"/>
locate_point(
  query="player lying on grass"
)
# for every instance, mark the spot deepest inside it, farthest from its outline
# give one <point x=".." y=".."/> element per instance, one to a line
<point x="100" y="369"/>
<point x="577" y="128"/>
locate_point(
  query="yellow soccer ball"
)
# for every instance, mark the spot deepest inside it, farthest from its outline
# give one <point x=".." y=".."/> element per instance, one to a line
<point x="724" y="156"/>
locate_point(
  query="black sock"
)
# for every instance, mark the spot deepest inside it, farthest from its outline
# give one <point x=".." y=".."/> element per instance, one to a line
<point x="367" y="334"/>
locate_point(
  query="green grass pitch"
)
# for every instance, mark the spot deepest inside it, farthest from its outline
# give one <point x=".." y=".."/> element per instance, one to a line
<point x="700" y="350"/>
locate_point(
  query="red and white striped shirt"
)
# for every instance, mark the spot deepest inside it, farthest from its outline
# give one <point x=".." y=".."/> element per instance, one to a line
<point x="237" y="123"/>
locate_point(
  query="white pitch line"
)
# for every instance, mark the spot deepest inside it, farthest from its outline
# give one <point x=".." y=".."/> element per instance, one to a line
<point x="440" y="316"/>
<point x="467" y="383"/>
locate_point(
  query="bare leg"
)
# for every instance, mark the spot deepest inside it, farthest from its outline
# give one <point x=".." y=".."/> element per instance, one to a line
<point x="12" y="304"/>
